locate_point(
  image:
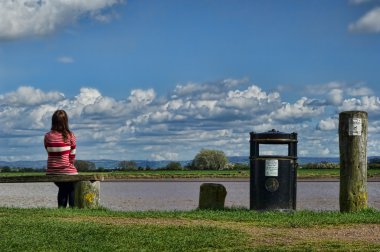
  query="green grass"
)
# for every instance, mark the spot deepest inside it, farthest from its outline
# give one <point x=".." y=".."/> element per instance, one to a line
<point x="229" y="230"/>
<point x="333" y="173"/>
<point x="54" y="230"/>
<point x="374" y="172"/>
<point x="22" y="174"/>
<point x="318" y="173"/>
<point x="301" y="173"/>
<point x="162" y="174"/>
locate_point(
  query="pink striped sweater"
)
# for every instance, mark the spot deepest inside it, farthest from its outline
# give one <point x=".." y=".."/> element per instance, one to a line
<point x="61" y="154"/>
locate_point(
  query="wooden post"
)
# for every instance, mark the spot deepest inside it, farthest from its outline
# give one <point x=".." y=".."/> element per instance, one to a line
<point x="87" y="194"/>
<point x="353" y="127"/>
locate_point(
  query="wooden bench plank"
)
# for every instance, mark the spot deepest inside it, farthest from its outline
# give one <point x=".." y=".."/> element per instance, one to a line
<point x="50" y="178"/>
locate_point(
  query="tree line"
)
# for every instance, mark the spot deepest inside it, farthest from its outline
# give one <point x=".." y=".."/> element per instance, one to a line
<point x="205" y="159"/>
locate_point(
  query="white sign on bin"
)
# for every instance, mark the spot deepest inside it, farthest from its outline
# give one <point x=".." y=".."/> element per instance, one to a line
<point x="355" y="127"/>
<point x="271" y="167"/>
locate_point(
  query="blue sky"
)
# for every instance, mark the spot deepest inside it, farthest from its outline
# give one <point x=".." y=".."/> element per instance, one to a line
<point x="162" y="79"/>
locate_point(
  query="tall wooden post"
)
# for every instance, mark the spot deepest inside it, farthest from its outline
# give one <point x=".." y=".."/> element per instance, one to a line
<point x="353" y="127"/>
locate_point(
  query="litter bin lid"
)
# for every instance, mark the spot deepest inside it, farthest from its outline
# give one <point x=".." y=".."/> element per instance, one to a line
<point x="274" y="135"/>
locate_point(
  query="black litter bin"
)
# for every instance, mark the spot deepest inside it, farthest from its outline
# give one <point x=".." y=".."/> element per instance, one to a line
<point x="273" y="179"/>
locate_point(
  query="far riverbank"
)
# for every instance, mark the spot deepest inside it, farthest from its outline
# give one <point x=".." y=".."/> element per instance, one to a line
<point x="299" y="179"/>
<point x="201" y="175"/>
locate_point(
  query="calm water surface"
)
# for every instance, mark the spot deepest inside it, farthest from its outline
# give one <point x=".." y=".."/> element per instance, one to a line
<point x="128" y="196"/>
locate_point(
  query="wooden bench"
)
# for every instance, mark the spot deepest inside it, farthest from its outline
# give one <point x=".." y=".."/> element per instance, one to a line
<point x="87" y="187"/>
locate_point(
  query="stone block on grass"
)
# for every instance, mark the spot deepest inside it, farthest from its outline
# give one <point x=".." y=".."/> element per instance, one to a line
<point x="212" y="196"/>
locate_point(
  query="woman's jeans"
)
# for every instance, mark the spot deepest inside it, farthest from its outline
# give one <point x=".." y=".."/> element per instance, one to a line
<point x="65" y="194"/>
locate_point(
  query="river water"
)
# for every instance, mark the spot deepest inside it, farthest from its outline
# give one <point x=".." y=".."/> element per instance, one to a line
<point x="141" y="196"/>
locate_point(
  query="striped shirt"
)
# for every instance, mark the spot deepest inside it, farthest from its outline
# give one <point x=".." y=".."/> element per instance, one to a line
<point x="61" y="154"/>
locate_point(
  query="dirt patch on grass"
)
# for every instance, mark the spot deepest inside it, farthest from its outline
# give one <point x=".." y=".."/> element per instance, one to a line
<point x="143" y="221"/>
<point x="273" y="236"/>
<point x="343" y="233"/>
<point x="361" y="232"/>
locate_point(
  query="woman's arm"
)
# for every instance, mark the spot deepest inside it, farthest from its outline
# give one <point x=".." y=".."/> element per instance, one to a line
<point x="73" y="149"/>
<point x="45" y="142"/>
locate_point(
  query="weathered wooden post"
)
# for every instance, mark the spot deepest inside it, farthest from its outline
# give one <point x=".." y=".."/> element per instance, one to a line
<point x="87" y="194"/>
<point x="212" y="196"/>
<point x="353" y="127"/>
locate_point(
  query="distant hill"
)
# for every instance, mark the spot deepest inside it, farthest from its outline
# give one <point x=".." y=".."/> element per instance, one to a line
<point x="24" y="164"/>
<point x="105" y="163"/>
<point x="110" y="164"/>
<point x="301" y="160"/>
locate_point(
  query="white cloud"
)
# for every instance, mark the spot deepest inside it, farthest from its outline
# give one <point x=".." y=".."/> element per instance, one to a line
<point x="88" y="96"/>
<point x="104" y="106"/>
<point x="26" y="95"/>
<point x="40" y="116"/>
<point x="374" y="128"/>
<point x="65" y="60"/>
<point x="371" y="104"/>
<point x="142" y="125"/>
<point x="218" y="101"/>
<point x="142" y="97"/>
<point x="321" y="89"/>
<point x="328" y="124"/>
<point x="359" y="91"/>
<point x="325" y="152"/>
<point x="250" y="98"/>
<point x="186" y="89"/>
<point x="330" y="93"/>
<point x="23" y="18"/>
<point x="335" y="96"/>
<point x="230" y="83"/>
<point x="370" y="22"/>
<point x="164" y="156"/>
<point x="104" y="18"/>
<point x="204" y="91"/>
<point x="360" y="1"/>
<point x="333" y="93"/>
<point x="296" y="112"/>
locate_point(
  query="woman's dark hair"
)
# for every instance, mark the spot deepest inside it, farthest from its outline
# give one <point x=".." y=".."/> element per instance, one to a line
<point x="60" y="123"/>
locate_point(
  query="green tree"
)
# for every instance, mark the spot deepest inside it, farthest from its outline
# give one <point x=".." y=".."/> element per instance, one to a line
<point x="374" y="163"/>
<point x="321" y="165"/>
<point x="240" y="166"/>
<point x="173" y="166"/>
<point x="83" y="165"/>
<point x="374" y="160"/>
<point x="6" y="169"/>
<point x="127" y="165"/>
<point x="209" y="160"/>
<point x="101" y="169"/>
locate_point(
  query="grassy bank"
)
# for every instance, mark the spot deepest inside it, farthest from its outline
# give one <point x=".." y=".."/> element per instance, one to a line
<point x="230" y="230"/>
<point x="163" y="174"/>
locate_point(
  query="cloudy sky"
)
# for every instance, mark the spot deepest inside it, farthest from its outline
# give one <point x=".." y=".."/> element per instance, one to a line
<point x="158" y="80"/>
